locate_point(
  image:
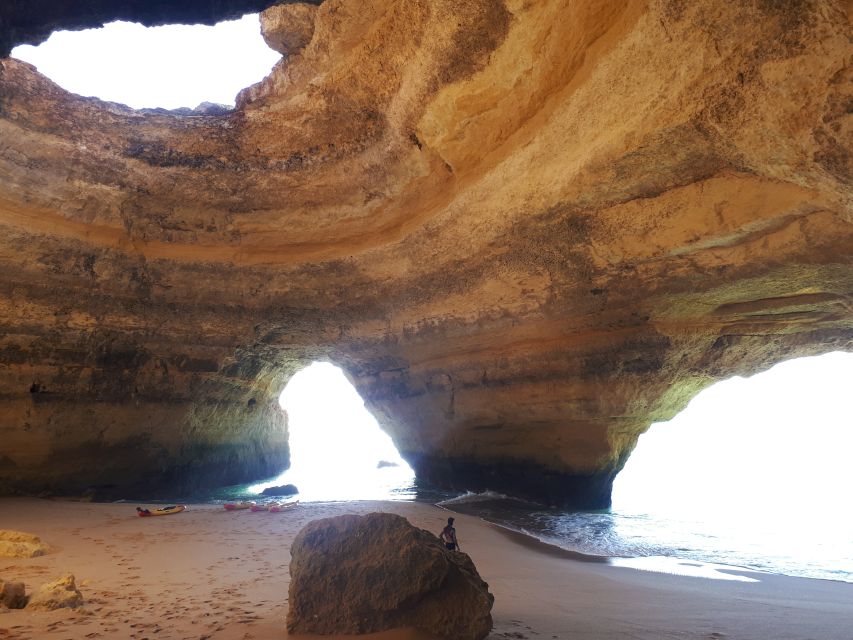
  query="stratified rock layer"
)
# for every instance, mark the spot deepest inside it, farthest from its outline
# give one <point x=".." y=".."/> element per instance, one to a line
<point x="525" y="229"/>
<point x="362" y="574"/>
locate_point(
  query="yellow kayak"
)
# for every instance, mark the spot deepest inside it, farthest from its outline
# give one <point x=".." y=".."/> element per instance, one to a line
<point x="164" y="511"/>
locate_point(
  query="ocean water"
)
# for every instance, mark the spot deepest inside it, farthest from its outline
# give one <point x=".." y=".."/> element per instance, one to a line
<point x="800" y="544"/>
<point x="388" y="483"/>
<point x="690" y="541"/>
<point x="753" y="474"/>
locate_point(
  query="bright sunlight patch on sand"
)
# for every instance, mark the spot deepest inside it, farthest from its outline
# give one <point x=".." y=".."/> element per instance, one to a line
<point x="336" y="446"/>
<point x="678" y="567"/>
<point x="169" y="67"/>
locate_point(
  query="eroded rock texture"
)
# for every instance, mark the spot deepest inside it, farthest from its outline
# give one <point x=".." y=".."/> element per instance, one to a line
<point x="62" y="593"/>
<point x="17" y="544"/>
<point x="13" y="595"/>
<point x="525" y="229"/>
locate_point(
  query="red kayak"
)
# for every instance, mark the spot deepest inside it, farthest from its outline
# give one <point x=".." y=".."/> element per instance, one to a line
<point x="238" y="506"/>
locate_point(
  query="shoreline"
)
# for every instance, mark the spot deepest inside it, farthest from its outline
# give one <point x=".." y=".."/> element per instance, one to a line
<point x="656" y="562"/>
<point x="530" y="541"/>
<point x="649" y="563"/>
<point x="652" y="564"/>
<point x="210" y="573"/>
<point x="516" y="535"/>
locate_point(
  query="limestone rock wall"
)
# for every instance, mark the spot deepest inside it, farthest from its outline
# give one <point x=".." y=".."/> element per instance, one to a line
<point x="526" y="230"/>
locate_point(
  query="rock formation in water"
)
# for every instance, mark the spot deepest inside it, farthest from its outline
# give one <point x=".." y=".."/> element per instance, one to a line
<point x="526" y="230"/>
<point x="282" y="490"/>
<point x="363" y="574"/>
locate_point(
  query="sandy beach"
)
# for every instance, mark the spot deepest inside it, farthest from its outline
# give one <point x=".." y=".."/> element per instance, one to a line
<point x="208" y="573"/>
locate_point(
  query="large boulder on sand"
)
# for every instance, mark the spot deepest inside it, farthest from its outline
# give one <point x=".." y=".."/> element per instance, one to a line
<point x="362" y="574"/>
<point x="62" y="593"/>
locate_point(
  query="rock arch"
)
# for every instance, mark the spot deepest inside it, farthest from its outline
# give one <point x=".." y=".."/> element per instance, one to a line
<point x="526" y="230"/>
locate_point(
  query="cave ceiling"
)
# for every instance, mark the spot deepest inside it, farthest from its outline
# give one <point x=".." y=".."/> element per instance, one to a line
<point x="526" y="230"/>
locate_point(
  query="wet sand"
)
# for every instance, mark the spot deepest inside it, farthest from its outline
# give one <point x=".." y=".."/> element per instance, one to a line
<point x="208" y="573"/>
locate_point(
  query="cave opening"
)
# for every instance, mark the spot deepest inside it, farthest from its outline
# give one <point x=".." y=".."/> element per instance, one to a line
<point x="170" y="67"/>
<point x="337" y="449"/>
<point x="754" y="471"/>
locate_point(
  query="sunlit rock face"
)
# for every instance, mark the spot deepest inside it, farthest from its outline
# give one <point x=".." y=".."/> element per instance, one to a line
<point x="288" y="27"/>
<point x="526" y="230"/>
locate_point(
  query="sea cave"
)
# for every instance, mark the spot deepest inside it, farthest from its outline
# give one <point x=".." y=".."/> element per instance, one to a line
<point x="525" y="230"/>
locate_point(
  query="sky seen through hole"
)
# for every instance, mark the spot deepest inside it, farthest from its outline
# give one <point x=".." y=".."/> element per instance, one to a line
<point x="169" y="67"/>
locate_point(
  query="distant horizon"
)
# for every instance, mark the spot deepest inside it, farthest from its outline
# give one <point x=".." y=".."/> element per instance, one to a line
<point x="166" y="67"/>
